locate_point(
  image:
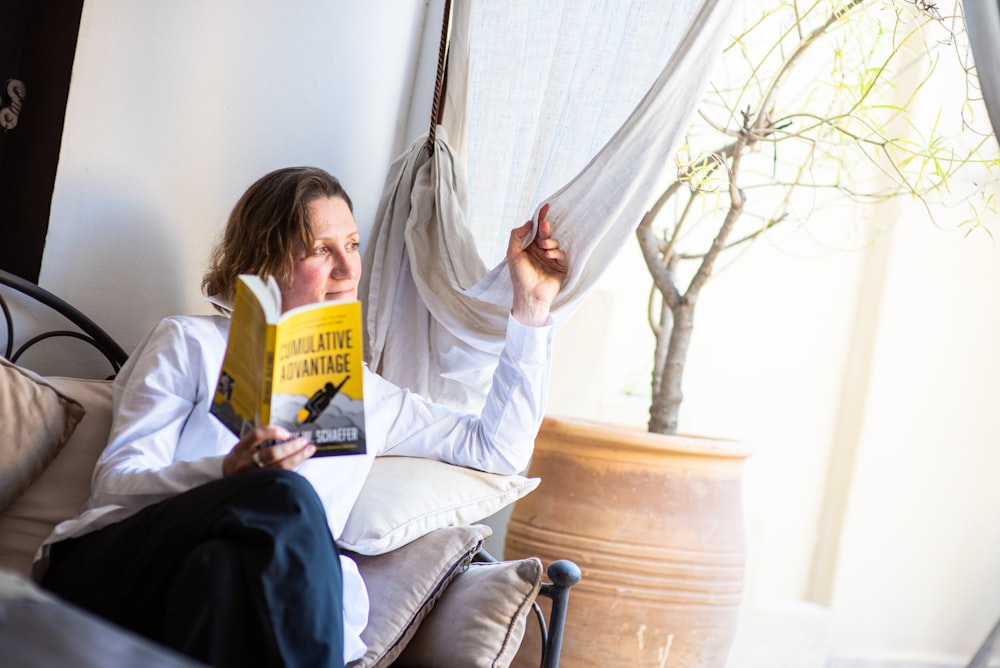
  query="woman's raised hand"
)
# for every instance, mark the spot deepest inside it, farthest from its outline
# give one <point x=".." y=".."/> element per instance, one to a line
<point x="537" y="271"/>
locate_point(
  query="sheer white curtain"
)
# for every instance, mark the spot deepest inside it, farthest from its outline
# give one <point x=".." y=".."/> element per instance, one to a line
<point x="573" y="103"/>
<point x="549" y="84"/>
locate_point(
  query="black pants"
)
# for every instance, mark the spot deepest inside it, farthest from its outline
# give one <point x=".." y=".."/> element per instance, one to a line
<point x="240" y="571"/>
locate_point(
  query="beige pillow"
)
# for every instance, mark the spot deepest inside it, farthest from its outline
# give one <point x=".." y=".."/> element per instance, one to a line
<point x="407" y="497"/>
<point x="404" y="584"/>
<point x="480" y="619"/>
<point x="64" y="485"/>
<point x="35" y="421"/>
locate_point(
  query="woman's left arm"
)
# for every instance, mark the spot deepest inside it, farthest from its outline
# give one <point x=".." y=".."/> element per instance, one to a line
<point x="501" y="438"/>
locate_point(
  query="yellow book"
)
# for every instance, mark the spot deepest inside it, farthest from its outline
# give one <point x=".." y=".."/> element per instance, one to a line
<point x="300" y="369"/>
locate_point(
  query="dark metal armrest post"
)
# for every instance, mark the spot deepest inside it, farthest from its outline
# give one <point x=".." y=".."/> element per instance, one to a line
<point x="563" y="574"/>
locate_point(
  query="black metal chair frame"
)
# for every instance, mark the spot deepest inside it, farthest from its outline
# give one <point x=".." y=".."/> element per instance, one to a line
<point x="88" y="330"/>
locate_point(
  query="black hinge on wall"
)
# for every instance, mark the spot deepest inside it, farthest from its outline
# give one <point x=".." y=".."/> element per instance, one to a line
<point x="11" y="103"/>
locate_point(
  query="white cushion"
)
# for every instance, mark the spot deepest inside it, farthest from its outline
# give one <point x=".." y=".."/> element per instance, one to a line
<point x="407" y="497"/>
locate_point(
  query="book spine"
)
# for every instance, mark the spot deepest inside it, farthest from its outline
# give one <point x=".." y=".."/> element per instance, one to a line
<point x="268" y="385"/>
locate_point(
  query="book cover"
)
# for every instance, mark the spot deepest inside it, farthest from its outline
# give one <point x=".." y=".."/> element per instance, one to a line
<point x="300" y="369"/>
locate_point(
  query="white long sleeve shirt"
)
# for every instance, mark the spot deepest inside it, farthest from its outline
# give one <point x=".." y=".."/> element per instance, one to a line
<point x="164" y="440"/>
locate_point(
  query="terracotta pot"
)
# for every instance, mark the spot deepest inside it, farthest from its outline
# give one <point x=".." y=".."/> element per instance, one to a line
<point x="655" y="524"/>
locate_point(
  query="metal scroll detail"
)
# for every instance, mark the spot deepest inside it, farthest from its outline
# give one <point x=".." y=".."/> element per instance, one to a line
<point x="8" y="115"/>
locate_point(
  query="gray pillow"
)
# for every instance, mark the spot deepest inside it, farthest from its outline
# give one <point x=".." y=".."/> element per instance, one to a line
<point x="35" y="421"/>
<point x="480" y="619"/>
<point x="63" y="487"/>
<point x="404" y="584"/>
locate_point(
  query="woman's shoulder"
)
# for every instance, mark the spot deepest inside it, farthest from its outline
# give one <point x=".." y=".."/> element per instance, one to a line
<point x="181" y="336"/>
<point x="195" y="325"/>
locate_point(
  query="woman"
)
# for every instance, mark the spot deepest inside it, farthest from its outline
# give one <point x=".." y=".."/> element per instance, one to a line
<point x="224" y="549"/>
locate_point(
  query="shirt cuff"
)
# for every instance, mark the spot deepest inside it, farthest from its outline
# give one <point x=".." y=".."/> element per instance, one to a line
<point x="529" y="344"/>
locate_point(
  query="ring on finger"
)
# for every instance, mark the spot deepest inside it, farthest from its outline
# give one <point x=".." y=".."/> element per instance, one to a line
<point x="256" y="459"/>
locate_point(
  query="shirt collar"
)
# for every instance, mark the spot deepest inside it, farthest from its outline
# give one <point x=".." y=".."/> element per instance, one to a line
<point x="220" y="301"/>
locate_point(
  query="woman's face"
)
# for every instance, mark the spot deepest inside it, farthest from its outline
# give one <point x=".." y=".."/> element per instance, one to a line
<point x="330" y="269"/>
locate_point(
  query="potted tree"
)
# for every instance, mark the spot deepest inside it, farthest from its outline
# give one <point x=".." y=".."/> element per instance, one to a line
<point x="812" y="103"/>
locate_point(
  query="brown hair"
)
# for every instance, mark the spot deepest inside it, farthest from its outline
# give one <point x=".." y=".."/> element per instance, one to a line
<point x="268" y="227"/>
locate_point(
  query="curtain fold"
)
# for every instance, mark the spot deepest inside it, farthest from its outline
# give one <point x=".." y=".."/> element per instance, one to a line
<point x="435" y="316"/>
<point x="982" y="20"/>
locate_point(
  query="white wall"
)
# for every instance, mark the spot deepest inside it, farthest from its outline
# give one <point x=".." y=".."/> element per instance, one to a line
<point x="176" y="107"/>
<point x="919" y="565"/>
